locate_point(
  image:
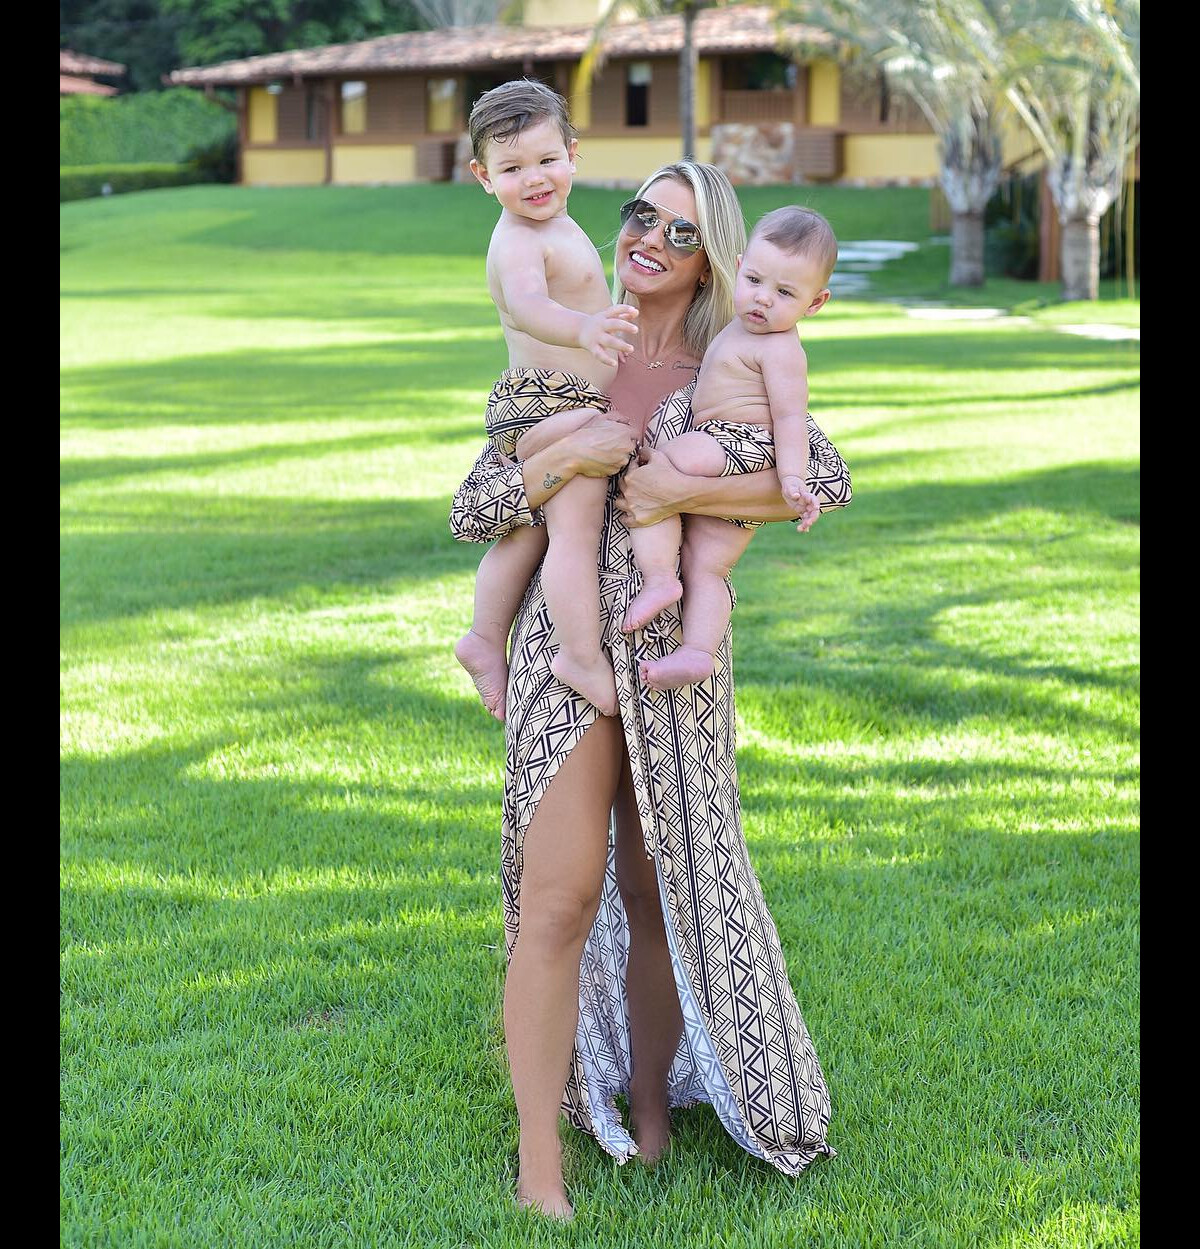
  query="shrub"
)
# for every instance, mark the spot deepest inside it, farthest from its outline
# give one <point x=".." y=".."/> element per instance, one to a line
<point x="87" y="181"/>
<point x="149" y="126"/>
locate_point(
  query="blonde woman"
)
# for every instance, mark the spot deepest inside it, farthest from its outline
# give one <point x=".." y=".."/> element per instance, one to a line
<point x="644" y="963"/>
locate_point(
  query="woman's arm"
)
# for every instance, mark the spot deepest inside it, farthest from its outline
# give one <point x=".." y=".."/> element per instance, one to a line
<point x="655" y="489"/>
<point x="499" y="495"/>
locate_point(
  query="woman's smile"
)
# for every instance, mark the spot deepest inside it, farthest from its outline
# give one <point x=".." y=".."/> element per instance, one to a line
<point x="648" y="263"/>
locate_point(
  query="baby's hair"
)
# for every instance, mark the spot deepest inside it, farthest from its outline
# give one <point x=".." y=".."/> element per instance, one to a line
<point x="799" y="232"/>
<point x="505" y="111"/>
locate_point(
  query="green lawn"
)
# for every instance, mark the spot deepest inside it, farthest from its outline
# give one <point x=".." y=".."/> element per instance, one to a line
<point x="281" y="928"/>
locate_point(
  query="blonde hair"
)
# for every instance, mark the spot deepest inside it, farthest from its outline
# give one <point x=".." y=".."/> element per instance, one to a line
<point x="723" y="229"/>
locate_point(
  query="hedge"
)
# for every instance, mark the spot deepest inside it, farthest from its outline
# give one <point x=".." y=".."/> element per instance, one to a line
<point x="85" y="181"/>
<point x="159" y="126"/>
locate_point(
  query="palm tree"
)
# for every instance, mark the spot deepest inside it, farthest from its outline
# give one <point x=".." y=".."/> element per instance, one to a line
<point x="593" y="56"/>
<point x="945" y="55"/>
<point x="1074" y="77"/>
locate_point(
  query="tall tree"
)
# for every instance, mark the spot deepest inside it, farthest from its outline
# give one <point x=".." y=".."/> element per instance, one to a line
<point x="943" y="53"/>
<point x="1074" y="76"/>
<point x="593" y="57"/>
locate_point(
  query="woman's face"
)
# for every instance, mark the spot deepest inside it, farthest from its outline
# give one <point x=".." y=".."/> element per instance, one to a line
<point x="649" y="266"/>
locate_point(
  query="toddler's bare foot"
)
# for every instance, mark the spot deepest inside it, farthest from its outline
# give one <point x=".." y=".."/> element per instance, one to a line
<point x="656" y="594"/>
<point x="651" y="1126"/>
<point x="488" y="668"/>
<point x="593" y="679"/>
<point x="548" y="1198"/>
<point x="684" y="666"/>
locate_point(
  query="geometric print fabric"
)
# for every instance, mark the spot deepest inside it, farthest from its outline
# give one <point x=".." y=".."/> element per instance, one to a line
<point x="745" y="1047"/>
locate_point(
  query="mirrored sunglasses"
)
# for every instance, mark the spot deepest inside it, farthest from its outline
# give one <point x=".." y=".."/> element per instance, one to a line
<point x="640" y="216"/>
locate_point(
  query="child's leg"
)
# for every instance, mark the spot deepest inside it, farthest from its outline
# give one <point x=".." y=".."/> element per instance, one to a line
<point x="504" y="573"/>
<point x="573" y="518"/>
<point x="711" y="547"/>
<point x="656" y="547"/>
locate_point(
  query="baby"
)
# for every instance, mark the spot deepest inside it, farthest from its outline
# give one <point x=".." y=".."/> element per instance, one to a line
<point x="749" y="412"/>
<point x="564" y="341"/>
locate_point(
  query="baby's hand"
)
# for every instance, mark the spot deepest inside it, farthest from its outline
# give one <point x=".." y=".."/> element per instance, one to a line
<point x="605" y="333"/>
<point x="797" y="495"/>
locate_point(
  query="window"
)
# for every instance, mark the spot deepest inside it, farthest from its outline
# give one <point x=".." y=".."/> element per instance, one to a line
<point x="354" y="108"/>
<point x="763" y="71"/>
<point x="637" y="93"/>
<point x="440" y="113"/>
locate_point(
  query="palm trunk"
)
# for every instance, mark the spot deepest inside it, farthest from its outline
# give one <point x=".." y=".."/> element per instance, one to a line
<point x="687" y="83"/>
<point x="966" y="250"/>
<point x="1080" y="258"/>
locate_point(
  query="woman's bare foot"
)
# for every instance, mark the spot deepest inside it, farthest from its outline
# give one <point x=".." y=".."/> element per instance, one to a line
<point x="651" y="1125"/>
<point x="488" y="668"/>
<point x="548" y="1198"/>
<point x="593" y="679"/>
<point x="684" y="666"/>
<point x="657" y="593"/>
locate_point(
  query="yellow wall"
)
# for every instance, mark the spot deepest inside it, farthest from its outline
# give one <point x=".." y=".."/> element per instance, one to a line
<point x="561" y="12"/>
<point x="394" y="163"/>
<point x="824" y="94"/>
<point x="262" y="116"/>
<point x="880" y="156"/>
<point x="293" y="167"/>
<point x="704" y="73"/>
<point x="632" y="159"/>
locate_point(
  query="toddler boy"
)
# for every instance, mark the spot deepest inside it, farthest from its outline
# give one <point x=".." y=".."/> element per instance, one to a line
<point x="564" y="341"/>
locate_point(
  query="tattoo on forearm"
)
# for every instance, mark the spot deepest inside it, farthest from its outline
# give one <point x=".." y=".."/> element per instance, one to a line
<point x="550" y="481"/>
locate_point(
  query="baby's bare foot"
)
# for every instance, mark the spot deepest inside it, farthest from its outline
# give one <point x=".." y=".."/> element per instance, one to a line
<point x="656" y="594"/>
<point x="488" y="668"/>
<point x="684" y="666"/>
<point x="593" y="679"/>
<point x="549" y="1199"/>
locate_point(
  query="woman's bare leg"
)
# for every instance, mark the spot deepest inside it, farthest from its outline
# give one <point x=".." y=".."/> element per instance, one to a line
<point x="655" y="1020"/>
<point x="504" y="573"/>
<point x="565" y="851"/>
<point x="573" y="518"/>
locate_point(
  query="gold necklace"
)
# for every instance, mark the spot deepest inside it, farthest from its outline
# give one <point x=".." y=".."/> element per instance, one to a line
<point x="655" y="364"/>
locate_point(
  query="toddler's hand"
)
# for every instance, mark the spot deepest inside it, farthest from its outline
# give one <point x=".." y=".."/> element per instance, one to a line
<point x="605" y="334"/>
<point x="797" y="495"/>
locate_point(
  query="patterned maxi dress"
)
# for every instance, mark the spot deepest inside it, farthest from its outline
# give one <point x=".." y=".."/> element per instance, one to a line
<point x="745" y="1049"/>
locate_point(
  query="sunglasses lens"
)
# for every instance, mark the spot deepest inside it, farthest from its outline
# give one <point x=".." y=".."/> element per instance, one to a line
<point x="684" y="235"/>
<point x="638" y="217"/>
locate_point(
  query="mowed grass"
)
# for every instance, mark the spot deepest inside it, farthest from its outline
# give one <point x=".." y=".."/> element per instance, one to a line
<point x="282" y="950"/>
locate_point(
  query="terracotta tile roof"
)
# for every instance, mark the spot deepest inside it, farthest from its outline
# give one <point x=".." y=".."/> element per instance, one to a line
<point x="77" y="63"/>
<point x="68" y="85"/>
<point x="741" y="28"/>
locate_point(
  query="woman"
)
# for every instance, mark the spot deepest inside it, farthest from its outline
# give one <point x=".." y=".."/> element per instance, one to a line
<point x="602" y="996"/>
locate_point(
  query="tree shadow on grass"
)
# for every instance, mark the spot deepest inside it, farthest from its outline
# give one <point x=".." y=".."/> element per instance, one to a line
<point x="243" y="387"/>
<point x="973" y="1005"/>
<point x="182" y="550"/>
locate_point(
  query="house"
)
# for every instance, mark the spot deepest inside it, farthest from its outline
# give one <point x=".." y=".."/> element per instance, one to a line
<point x="393" y="109"/>
<point x="77" y="74"/>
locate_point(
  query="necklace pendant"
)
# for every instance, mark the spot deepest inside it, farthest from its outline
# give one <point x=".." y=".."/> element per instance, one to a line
<point x="654" y="364"/>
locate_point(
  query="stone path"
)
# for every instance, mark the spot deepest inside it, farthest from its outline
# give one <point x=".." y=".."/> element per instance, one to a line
<point x="860" y="257"/>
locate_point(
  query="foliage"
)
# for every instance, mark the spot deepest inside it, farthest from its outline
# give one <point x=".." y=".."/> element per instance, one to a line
<point x="280" y="990"/>
<point x="88" y="181"/>
<point x="158" y="126"/>
<point x="223" y="30"/>
<point x="153" y="37"/>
